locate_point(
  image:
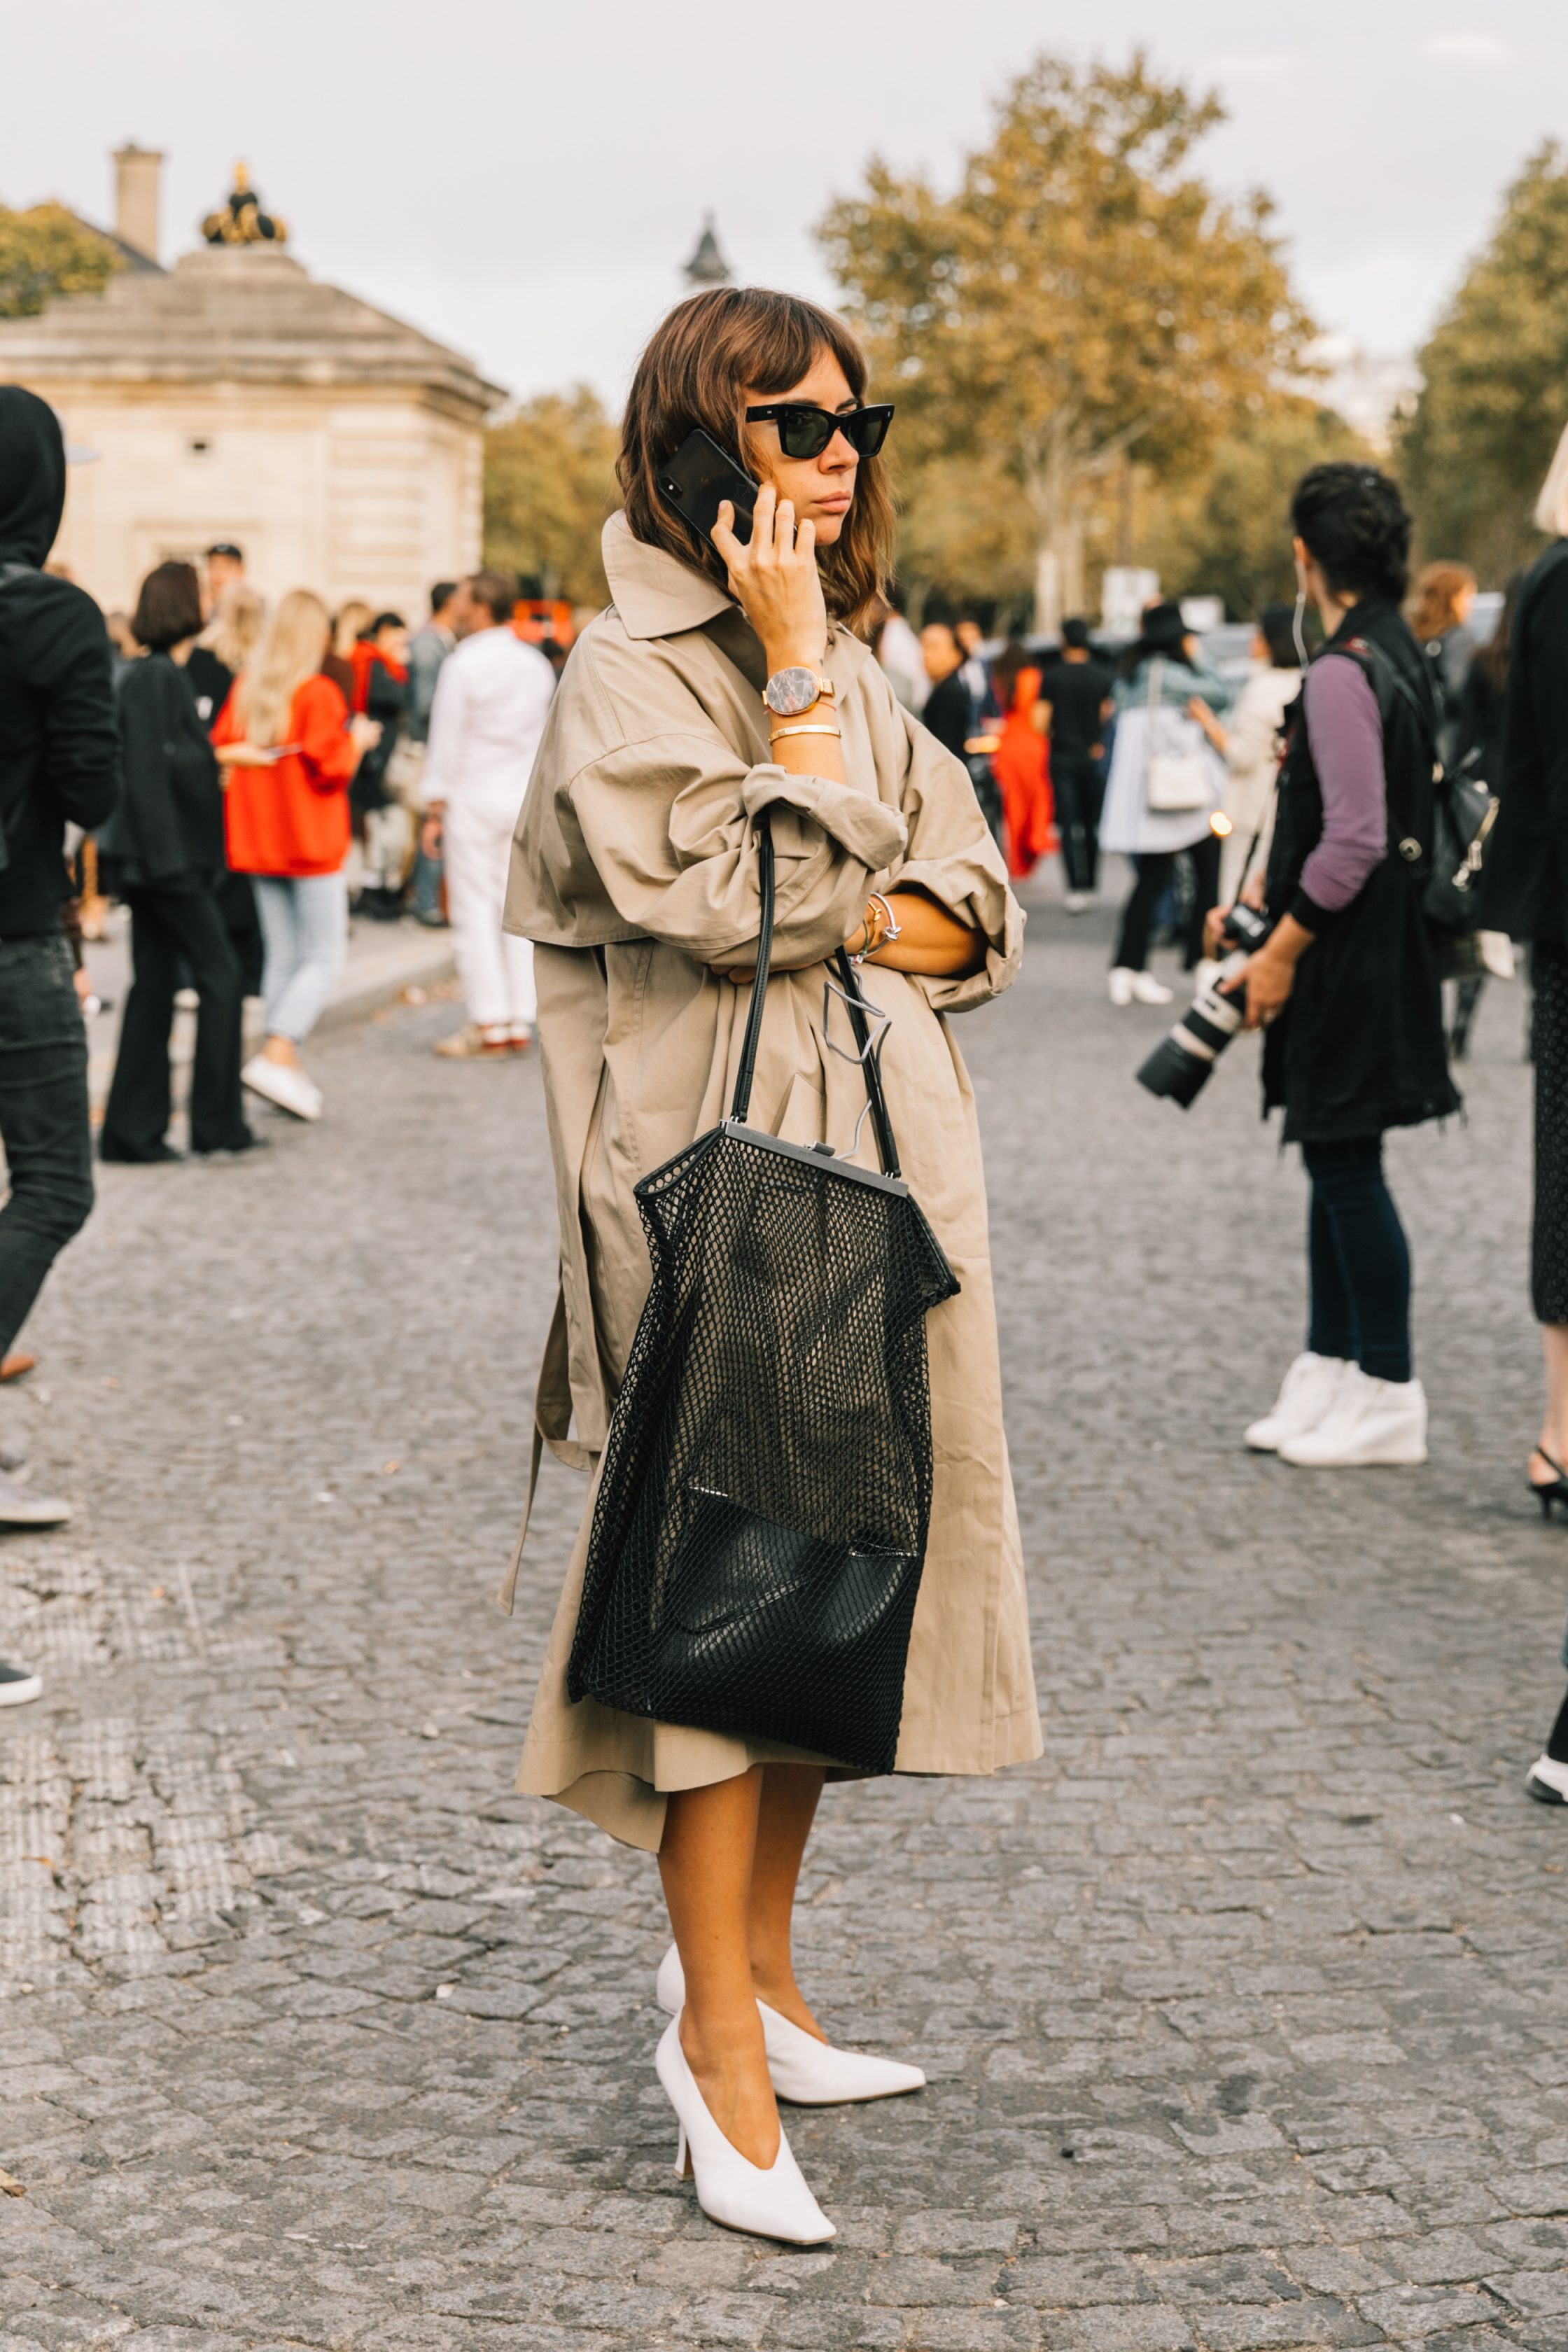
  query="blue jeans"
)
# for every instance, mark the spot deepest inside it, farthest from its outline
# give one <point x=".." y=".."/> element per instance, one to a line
<point x="43" y="1119"/>
<point x="305" y="923"/>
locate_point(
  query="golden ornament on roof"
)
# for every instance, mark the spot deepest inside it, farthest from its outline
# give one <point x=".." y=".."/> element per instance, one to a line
<point x="241" y="220"/>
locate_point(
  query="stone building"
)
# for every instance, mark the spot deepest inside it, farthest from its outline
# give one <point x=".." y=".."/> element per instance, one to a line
<point x="237" y="397"/>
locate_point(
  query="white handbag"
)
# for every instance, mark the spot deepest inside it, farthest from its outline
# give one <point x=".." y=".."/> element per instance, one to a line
<point x="1176" y="782"/>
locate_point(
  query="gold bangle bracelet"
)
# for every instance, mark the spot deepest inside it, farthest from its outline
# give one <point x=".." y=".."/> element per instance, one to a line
<point x="779" y="733"/>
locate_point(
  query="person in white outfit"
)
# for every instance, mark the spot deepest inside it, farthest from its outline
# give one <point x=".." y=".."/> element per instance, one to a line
<point x="1249" y="744"/>
<point x="491" y="700"/>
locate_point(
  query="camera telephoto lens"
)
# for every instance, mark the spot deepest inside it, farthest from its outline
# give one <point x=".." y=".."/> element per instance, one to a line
<point x="1179" y="1067"/>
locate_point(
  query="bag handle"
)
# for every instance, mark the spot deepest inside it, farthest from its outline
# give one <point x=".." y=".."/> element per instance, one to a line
<point x="886" y="1149"/>
<point x="742" y="1103"/>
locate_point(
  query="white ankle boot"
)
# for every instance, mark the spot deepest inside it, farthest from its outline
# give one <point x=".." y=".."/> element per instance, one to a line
<point x="771" y="2203"/>
<point x="1304" y="1400"/>
<point x="808" y="2073"/>
<point x="1369" y="1421"/>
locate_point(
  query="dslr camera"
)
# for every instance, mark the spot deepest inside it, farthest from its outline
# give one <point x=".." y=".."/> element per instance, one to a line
<point x="1179" y="1067"/>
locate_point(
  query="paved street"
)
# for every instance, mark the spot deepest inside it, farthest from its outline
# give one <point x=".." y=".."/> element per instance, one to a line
<point x="1244" y="2009"/>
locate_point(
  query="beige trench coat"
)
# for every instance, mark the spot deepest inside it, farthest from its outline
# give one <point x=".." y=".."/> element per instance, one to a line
<point x="634" y="870"/>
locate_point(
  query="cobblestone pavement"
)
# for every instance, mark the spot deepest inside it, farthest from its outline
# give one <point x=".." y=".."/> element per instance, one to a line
<point x="1244" y="2009"/>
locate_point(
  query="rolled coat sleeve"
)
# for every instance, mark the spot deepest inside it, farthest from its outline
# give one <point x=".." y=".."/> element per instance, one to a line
<point x="953" y="857"/>
<point x="670" y="824"/>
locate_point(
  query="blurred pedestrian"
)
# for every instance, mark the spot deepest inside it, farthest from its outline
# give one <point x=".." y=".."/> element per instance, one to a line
<point x="1021" y="763"/>
<point x="380" y="665"/>
<point x="491" y="700"/>
<point x="290" y="747"/>
<point x="217" y="658"/>
<point x="954" y="718"/>
<point x="59" y="762"/>
<point x="1525" y="893"/>
<point x="349" y="625"/>
<point x="1250" y="744"/>
<point x="122" y="638"/>
<point x="898" y="651"/>
<point x="225" y="566"/>
<point x="975" y="674"/>
<point x="428" y="649"/>
<point x="1482" y="721"/>
<point x="165" y="862"/>
<point x="1076" y="705"/>
<point x="224" y="648"/>
<point x="1346" y="984"/>
<point x="1165" y="786"/>
<point x="1440" y="613"/>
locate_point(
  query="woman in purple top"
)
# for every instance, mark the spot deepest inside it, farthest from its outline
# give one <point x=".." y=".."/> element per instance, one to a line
<point x="1347" y="985"/>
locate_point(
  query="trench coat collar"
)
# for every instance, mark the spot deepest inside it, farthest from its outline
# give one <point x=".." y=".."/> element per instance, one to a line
<point x="654" y="593"/>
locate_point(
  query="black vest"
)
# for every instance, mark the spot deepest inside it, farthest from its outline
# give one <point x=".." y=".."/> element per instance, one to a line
<point x="1360" y="1046"/>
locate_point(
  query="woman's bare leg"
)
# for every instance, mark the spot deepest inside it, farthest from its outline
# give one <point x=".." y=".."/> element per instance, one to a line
<point x="788" y="1807"/>
<point x="706" y="1863"/>
<point x="1554" y="1422"/>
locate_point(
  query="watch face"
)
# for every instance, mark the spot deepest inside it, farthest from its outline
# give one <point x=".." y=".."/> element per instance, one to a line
<point x="791" y="691"/>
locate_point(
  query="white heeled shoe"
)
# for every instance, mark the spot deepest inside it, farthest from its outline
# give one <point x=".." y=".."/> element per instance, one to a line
<point x="775" y="2203"/>
<point x="806" y="2072"/>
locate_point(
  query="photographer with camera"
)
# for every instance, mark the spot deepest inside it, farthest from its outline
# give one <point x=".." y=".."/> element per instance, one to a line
<point x="1345" y="984"/>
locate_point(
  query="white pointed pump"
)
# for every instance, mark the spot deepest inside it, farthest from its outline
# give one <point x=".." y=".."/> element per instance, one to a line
<point x="771" y="2203"/>
<point x="808" y="2073"/>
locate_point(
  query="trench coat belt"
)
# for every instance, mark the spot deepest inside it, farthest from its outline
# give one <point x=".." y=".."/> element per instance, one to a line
<point x="551" y="1424"/>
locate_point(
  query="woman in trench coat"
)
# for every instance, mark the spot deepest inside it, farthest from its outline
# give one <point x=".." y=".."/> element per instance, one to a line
<point x="634" y="873"/>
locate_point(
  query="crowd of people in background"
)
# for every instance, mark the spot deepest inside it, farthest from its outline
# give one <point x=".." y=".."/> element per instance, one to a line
<point x="286" y="771"/>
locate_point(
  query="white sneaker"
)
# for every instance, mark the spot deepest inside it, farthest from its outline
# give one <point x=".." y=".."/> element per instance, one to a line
<point x="1547" y="1781"/>
<point x="1308" y="1392"/>
<point x="1147" y="990"/>
<point x="1369" y="1421"/>
<point x="20" y="1508"/>
<point x="1119" y="985"/>
<point x="1077" y="902"/>
<point x="18" y="1684"/>
<point x="282" y="1084"/>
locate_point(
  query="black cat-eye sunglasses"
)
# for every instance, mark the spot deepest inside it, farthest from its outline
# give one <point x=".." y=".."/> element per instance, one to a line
<point x="805" y="431"/>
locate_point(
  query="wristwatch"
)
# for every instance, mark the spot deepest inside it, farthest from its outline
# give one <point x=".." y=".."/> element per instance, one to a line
<point x="789" y="693"/>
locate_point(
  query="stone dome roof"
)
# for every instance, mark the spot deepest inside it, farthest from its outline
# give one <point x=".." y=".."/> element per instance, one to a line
<point x="237" y="314"/>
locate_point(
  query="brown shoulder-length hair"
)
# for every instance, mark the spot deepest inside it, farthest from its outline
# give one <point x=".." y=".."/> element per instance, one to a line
<point x="1432" y="607"/>
<point x="697" y="367"/>
<point x="169" y="608"/>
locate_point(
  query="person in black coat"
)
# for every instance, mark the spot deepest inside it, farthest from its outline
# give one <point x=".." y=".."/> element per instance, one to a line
<point x="164" y="855"/>
<point x="1347" y="985"/>
<point x="1525" y="893"/>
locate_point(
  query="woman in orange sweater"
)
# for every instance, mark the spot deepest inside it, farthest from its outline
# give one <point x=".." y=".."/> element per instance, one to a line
<point x="288" y="748"/>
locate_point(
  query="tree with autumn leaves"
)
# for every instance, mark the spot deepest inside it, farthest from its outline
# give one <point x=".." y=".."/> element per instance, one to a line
<point x="1494" y="395"/>
<point x="46" y="251"/>
<point x="1082" y="301"/>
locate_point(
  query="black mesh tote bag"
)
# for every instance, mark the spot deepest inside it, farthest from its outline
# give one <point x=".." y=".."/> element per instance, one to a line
<point x="761" y="1523"/>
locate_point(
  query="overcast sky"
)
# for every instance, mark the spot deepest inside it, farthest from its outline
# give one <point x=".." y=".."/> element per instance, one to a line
<point x="524" y="181"/>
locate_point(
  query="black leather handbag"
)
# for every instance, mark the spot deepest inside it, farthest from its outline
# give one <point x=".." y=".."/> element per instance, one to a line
<point x="761" y="1523"/>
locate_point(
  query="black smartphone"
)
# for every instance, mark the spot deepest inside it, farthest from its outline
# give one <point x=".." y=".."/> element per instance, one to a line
<point x="697" y="480"/>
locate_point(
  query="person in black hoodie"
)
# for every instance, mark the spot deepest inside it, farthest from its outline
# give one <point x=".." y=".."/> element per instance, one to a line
<point x="60" y="761"/>
<point x="166" y="858"/>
